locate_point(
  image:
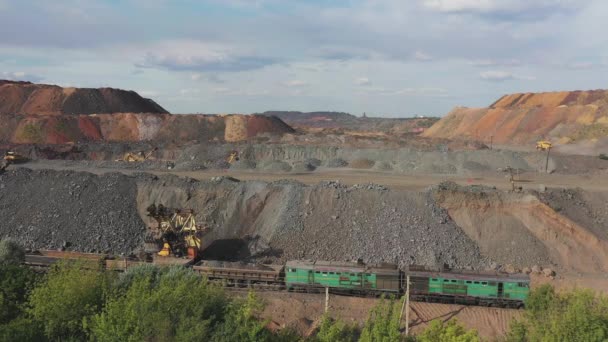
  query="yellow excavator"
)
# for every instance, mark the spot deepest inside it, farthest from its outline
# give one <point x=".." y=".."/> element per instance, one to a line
<point x="11" y="157"/>
<point x="233" y="156"/>
<point x="177" y="231"/>
<point x="543" y="145"/>
<point x="137" y="157"/>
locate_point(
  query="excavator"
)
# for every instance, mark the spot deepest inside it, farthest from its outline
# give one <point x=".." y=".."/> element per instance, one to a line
<point x="233" y="156"/>
<point x="543" y="145"/>
<point x="11" y="157"/>
<point x="176" y="230"/>
<point x="137" y="157"/>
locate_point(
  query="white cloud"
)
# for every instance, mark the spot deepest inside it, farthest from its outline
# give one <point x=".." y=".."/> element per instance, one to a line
<point x="193" y="55"/>
<point x="422" y="56"/>
<point x="296" y="83"/>
<point x="20" y="76"/>
<point x="504" y="7"/>
<point x="363" y="81"/>
<point x="148" y="93"/>
<point x="495" y="62"/>
<point x="500" y="76"/>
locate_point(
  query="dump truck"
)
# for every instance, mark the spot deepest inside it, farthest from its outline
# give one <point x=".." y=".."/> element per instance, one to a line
<point x="543" y="145"/>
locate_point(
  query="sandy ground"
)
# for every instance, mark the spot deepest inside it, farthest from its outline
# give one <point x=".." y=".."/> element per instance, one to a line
<point x="530" y="180"/>
<point x="300" y="311"/>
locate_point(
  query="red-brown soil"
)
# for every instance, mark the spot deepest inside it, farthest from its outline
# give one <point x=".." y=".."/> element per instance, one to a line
<point x="562" y="117"/>
<point x="41" y="99"/>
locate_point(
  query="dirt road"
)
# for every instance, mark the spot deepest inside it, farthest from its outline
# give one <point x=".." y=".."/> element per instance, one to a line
<point x="417" y="182"/>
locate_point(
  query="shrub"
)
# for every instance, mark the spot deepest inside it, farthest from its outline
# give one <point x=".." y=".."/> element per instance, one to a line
<point x="11" y="253"/>
<point x="66" y="297"/>
<point x="383" y="322"/>
<point x="335" y="331"/>
<point x="15" y="284"/>
<point x="438" y="331"/>
<point x="174" y="304"/>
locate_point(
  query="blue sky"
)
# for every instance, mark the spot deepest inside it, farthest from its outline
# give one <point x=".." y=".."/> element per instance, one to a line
<point x="390" y="58"/>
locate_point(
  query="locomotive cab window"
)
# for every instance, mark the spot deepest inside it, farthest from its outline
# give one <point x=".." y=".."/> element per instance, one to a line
<point x="453" y="281"/>
<point x="435" y="279"/>
<point x="468" y="281"/>
<point x="484" y="283"/>
<point x="475" y="282"/>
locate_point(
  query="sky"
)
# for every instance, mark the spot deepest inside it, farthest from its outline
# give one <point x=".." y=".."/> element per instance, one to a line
<point x="391" y="58"/>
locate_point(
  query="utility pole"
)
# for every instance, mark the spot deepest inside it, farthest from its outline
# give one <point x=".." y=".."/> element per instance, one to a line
<point x="406" y="306"/>
<point x="547" y="161"/>
<point x="326" y="299"/>
<point x="491" y="141"/>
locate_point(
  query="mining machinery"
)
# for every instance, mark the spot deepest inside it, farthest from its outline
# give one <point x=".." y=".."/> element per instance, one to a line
<point x="233" y="156"/>
<point x="137" y="157"/>
<point x="176" y="231"/>
<point x="543" y="145"/>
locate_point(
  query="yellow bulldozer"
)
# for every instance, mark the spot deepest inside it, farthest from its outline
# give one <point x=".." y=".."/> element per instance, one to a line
<point x="543" y="145"/>
<point x="176" y="231"/>
<point x="137" y="157"/>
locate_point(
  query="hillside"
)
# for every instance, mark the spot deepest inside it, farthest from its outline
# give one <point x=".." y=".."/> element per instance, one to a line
<point x="349" y="122"/>
<point x="576" y="117"/>
<point x="42" y="99"/>
<point x="134" y="127"/>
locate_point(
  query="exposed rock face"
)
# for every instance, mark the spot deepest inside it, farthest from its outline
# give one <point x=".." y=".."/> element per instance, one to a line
<point x="41" y="99"/>
<point x="133" y="127"/>
<point x="563" y="117"/>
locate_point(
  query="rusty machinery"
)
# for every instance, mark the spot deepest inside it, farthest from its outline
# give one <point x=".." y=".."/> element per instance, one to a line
<point x="11" y="157"/>
<point x="176" y="230"/>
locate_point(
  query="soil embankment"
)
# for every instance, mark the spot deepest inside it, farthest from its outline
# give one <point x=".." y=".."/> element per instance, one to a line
<point x="577" y="117"/>
<point x="518" y="228"/>
<point x="463" y="227"/>
<point x="26" y="98"/>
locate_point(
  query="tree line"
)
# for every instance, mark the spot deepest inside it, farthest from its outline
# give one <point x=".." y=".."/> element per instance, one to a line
<point x="150" y="303"/>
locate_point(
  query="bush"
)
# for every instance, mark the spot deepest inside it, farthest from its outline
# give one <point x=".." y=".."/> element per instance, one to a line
<point x="383" y="322"/>
<point x="242" y="323"/>
<point x="11" y="253"/>
<point x="335" y="331"/>
<point x="578" y="315"/>
<point x="67" y="296"/>
<point x="15" y="285"/>
<point x="22" y="329"/>
<point x="174" y="304"/>
<point x="438" y="331"/>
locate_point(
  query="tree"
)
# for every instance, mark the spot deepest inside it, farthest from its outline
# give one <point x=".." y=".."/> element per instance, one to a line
<point x="242" y="322"/>
<point x="15" y="284"/>
<point x="170" y="304"/>
<point x="66" y="297"/>
<point x="577" y="315"/>
<point x="383" y="322"/>
<point x="335" y="330"/>
<point x="11" y="253"/>
<point x="438" y="331"/>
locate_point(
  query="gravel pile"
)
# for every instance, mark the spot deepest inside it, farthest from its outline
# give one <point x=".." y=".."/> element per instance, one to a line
<point x="275" y="165"/>
<point x="336" y="162"/>
<point x="369" y="222"/>
<point x="70" y="210"/>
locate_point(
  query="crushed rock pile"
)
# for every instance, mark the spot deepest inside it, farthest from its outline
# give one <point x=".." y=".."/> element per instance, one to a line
<point x="70" y="210"/>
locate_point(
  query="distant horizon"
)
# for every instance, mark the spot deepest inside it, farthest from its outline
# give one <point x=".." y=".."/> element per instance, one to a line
<point x="394" y="58"/>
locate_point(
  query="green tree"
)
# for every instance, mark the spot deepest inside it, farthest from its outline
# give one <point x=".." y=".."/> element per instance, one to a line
<point x="15" y="284"/>
<point x="438" y="331"/>
<point x="578" y="315"/>
<point x="383" y="322"/>
<point x="22" y="329"/>
<point x="242" y="322"/>
<point x="170" y="304"/>
<point x="11" y="253"/>
<point x="68" y="295"/>
<point x="335" y="330"/>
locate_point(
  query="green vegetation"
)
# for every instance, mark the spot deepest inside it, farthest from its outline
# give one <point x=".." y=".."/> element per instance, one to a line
<point x="32" y="133"/>
<point x="147" y="303"/>
<point x="578" y="315"/>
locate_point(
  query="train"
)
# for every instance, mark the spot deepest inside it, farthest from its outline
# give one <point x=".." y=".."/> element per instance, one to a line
<point x="450" y="287"/>
<point x="348" y="278"/>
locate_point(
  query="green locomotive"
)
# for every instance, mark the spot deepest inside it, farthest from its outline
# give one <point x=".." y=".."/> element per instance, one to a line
<point x="488" y="289"/>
